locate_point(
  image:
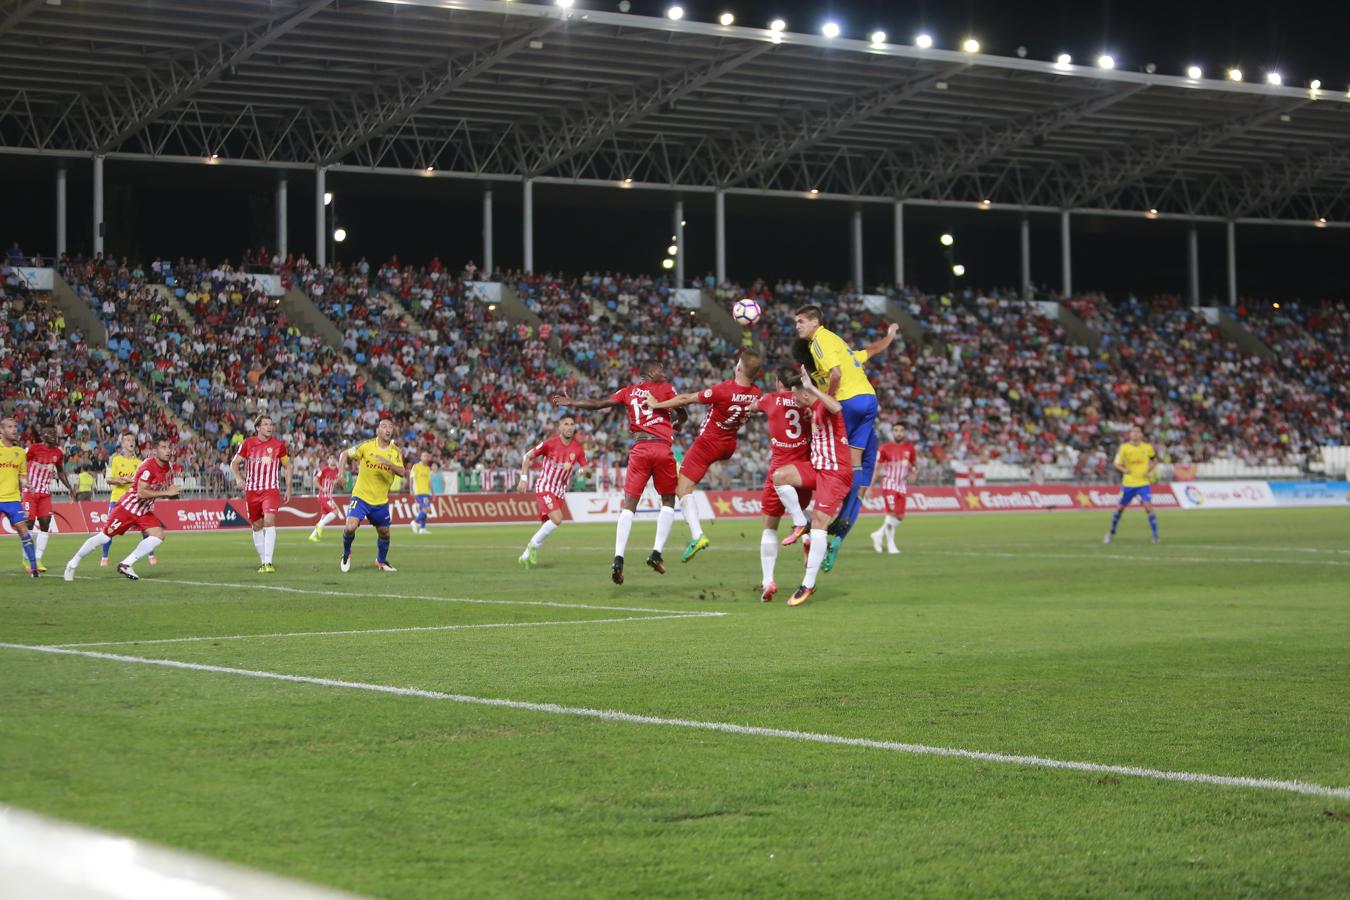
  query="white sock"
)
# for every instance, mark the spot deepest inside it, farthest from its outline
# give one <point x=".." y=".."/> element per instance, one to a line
<point x="40" y="543"/>
<point x="89" y="546"/>
<point x="691" y="517"/>
<point x="788" y="495"/>
<point x="542" y="534"/>
<point x="269" y="542"/>
<point x="622" y="530"/>
<point x="892" y="523"/>
<point x="327" y="517"/>
<point x="258" y="545"/>
<point x="768" y="554"/>
<point x="819" y="544"/>
<point x="665" y="520"/>
<point x="881" y="532"/>
<point x="144" y="548"/>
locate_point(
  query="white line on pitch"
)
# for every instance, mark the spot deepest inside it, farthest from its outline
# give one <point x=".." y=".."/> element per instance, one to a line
<point x="610" y="715"/>
<point x="404" y="630"/>
<point x="474" y="600"/>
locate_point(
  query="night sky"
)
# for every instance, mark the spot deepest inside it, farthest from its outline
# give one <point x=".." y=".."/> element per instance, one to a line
<point x="175" y="210"/>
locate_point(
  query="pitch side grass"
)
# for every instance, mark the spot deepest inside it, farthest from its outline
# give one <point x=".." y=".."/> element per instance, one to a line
<point x="1221" y="652"/>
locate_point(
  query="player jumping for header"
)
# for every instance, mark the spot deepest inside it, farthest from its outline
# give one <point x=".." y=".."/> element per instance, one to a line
<point x="729" y="405"/>
<point x="789" y="426"/>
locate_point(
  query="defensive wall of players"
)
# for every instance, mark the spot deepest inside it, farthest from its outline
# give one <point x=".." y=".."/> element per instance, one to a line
<point x="217" y="514"/>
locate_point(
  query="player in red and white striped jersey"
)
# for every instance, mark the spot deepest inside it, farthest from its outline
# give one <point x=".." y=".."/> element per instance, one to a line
<point x="46" y="464"/>
<point x="789" y="427"/>
<point x="558" y="456"/>
<point x="153" y="480"/>
<point x="325" y="480"/>
<point x="898" y="462"/>
<point x="830" y="475"/>
<point x="268" y="465"/>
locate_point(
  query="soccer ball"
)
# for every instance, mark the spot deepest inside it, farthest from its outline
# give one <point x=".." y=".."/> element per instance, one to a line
<point x="746" y="311"/>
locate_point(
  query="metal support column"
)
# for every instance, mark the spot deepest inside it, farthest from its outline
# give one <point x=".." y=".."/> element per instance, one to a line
<point x="320" y="217"/>
<point x="856" y="245"/>
<point x="529" y="224"/>
<point x="677" y="231"/>
<point x="487" y="235"/>
<point x="1232" y="263"/>
<point x="98" y="205"/>
<point x="282" y="243"/>
<point x="1193" y="265"/>
<point x="720" y="232"/>
<point x="61" y="208"/>
<point x="1066" y="256"/>
<point x="1026" y="259"/>
<point x="899" y="215"/>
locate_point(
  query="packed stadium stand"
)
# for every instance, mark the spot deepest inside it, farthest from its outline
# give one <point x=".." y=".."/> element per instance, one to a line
<point x="991" y="379"/>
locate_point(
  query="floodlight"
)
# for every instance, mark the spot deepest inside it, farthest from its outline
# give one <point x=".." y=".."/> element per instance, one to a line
<point x="1106" y="61"/>
<point x="1195" y="73"/>
<point x="777" y="25"/>
<point x="1064" y="60"/>
<point x="970" y="45"/>
<point x="1274" y="78"/>
<point x="675" y="13"/>
<point x="830" y="29"/>
<point x="340" y="235"/>
<point x="958" y="270"/>
<point x="726" y="18"/>
<point x="1234" y="74"/>
<point x="878" y="37"/>
<point x="327" y="197"/>
<point x="923" y="41"/>
<point x="946" y="240"/>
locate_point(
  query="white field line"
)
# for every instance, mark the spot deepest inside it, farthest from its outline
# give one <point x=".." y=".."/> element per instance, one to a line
<point x="240" y="586"/>
<point x="410" y="629"/>
<point x="609" y="715"/>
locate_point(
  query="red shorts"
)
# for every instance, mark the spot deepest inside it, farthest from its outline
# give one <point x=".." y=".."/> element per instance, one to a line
<point x="327" y="505"/>
<point x="707" y="449"/>
<point x="121" y="521"/>
<point x="895" y="503"/>
<point x="831" y="487"/>
<point x="650" y="461"/>
<point x="773" y="507"/>
<point x="260" y="503"/>
<point x="547" y="503"/>
<point x="37" y="506"/>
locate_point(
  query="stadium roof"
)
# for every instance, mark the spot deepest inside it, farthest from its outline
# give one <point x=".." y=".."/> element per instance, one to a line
<point x="497" y="91"/>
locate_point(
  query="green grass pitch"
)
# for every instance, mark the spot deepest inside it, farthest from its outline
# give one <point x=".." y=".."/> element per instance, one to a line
<point x="1221" y="652"/>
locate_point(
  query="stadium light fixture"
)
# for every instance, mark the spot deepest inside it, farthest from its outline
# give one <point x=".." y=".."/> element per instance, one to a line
<point x="1234" y="74"/>
<point x="1321" y="222"/>
<point x="958" y="270"/>
<point x="878" y="38"/>
<point x="1063" y="61"/>
<point x="1194" y="73"/>
<point x="946" y="240"/>
<point x="565" y="4"/>
<point x="1275" y="305"/>
<point x="673" y="249"/>
<point x="683" y="223"/>
<point x="923" y="41"/>
<point x="628" y="182"/>
<point x="777" y="25"/>
<point x="1152" y="213"/>
<point x="970" y="45"/>
<point x="1315" y="84"/>
<point x="667" y="263"/>
<point x="675" y="13"/>
<point x="726" y="19"/>
<point x="327" y="197"/>
<point x="986" y="203"/>
<point x="340" y="235"/>
<point x="830" y="29"/>
<point x="1106" y="61"/>
<point x="814" y="192"/>
<point x="1274" y="79"/>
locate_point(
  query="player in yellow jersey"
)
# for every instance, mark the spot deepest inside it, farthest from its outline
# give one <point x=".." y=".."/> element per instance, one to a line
<point x="837" y="369"/>
<point x="380" y="462"/>
<point x="122" y="467"/>
<point x="421" y="490"/>
<point x="1135" y="460"/>
<point x="13" y="480"/>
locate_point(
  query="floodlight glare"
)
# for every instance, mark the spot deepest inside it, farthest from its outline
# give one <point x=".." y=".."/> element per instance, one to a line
<point x="1106" y="61"/>
<point x="1063" y="59"/>
<point x="814" y="192"/>
<point x="1235" y="74"/>
<point x="946" y="240"/>
<point x="726" y="18"/>
<point x="327" y="197"/>
<point x="830" y="29"/>
<point x="777" y="25"/>
<point x="958" y="270"/>
<point x="1315" y="84"/>
<point x="675" y="13"/>
<point x="565" y="4"/>
<point x="970" y="45"/>
<point x="1274" y="78"/>
<point x="673" y="249"/>
<point x="923" y="41"/>
<point x="340" y="235"/>
<point x="1194" y="73"/>
<point x="667" y="263"/>
<point x="878" y="37"/>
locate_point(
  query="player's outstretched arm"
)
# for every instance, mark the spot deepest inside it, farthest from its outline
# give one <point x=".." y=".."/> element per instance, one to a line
<point x="579" y="403"/>
<point x="881" y="344"/>
<point x="830" y="403"/>
<point x="674" y="402"/>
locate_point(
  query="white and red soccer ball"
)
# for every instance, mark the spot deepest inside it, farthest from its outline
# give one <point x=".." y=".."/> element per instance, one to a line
<point x="746" y="311"/>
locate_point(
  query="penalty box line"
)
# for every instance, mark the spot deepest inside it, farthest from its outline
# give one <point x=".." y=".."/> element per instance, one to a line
<point x="608" y="715"/>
